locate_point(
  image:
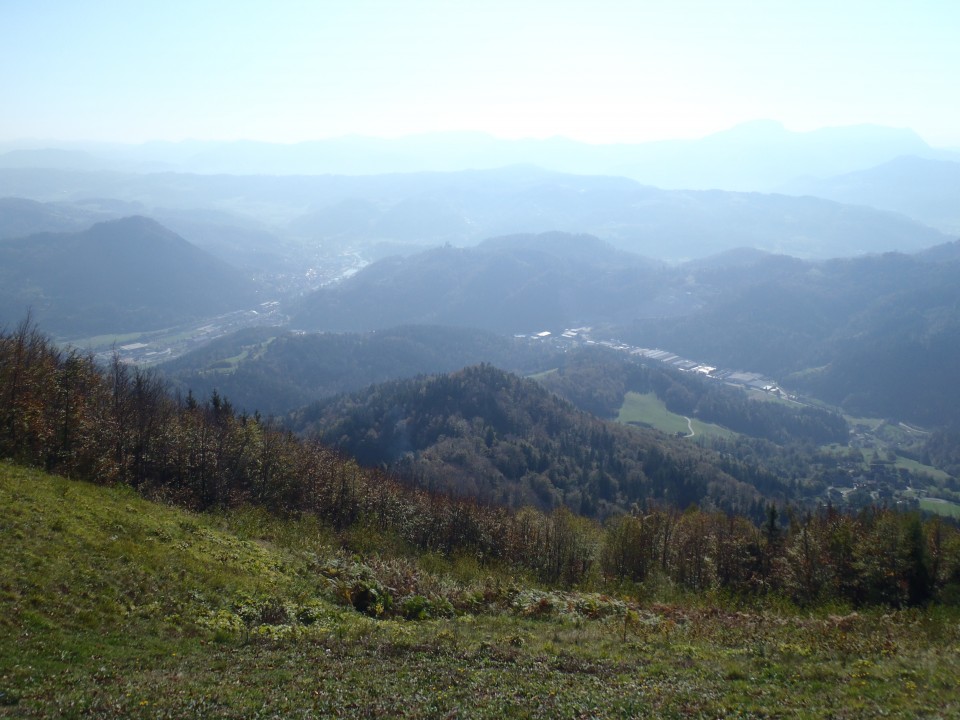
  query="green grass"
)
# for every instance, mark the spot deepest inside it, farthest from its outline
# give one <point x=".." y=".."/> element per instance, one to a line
<point x="111" y="606"/>
<point x="225" y="366"/>
<point x="940" y="507"/>
<point x="228" y="365"/>
<point x="871" y="423"/>
<point x="889" y="436"/>
<point x="542" y="375"/>
<point x="649" y="410"/>
<point x="918" y="467"/>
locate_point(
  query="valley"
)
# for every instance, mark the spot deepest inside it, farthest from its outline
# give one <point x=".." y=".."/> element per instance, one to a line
<point x="158" y="346"/>
<point x="879" y="462"/>
<point x="501" y="445"/>
<point x="445" y="361"/>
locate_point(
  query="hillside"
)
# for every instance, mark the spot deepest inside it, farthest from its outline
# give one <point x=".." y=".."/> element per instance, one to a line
<point x="873" y="334"/>
<point x="117" y="607"/>
<point x="924" y="189"/>
<point x="487" y="434"/>
<point x="276" y="372"/>
<point x="598" y="380"/>
<point x="521" y="284"/>
<point x="20" y="217"/>
<point x="406" y="603"/>
<point x="121" y="275"/>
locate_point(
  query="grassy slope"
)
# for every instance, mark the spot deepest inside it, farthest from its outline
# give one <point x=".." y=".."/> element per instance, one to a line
<point x="111" y="606"/>
<point x="647" y="409"/>
<point x="940" y="507"/>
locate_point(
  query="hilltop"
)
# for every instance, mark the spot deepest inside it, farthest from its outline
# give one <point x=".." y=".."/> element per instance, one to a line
<point x="484" y="433"/>
<point x="119" y="275"/>
<point x="516" y="284"/>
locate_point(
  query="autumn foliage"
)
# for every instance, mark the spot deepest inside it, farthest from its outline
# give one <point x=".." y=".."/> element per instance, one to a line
<point x="60" y="411"/>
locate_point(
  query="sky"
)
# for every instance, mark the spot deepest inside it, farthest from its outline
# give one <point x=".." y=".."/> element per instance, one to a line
<point x="599" y="71"/>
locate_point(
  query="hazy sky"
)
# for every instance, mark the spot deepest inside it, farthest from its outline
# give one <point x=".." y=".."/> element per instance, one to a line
<point x="593" y="70"/>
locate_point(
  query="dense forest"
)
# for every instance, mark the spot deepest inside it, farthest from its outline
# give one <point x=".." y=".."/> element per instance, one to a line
<point x="488" y="434"/>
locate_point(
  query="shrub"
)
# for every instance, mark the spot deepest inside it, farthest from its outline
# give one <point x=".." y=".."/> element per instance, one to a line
<point x="418" y="607"/>
<point x="370" y="598"/>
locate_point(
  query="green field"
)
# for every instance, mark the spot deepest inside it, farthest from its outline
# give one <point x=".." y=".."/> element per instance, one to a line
<point x="649" y="410"/>
<point x="542" y="375"/>
<point x="844" y="451"/>
<point x="762" y="396"/>
<point x="227" y="365"/>
<point x="111" y="606"/>
<point x="918" y="467"/>
<point x="940" y="507"/>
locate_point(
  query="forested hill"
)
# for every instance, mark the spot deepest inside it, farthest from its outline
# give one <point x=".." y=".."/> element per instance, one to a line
<point x="485" y="433"/>
<point x="122" y="275"/>
<point x="522" y="283"/>
<point x="276" y="372"/>
<point x="876" y="335"/>
<point x="20" y="217"/>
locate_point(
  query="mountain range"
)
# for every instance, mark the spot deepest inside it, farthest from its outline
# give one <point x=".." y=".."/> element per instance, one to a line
<point x="924" y="189"/>
<point x="755" y="156"/>
<point x="517" y="284"/>
<point x="282" y="224"/>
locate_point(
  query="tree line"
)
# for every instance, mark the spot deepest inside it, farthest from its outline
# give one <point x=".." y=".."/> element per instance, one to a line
<point x="119" y="424"/>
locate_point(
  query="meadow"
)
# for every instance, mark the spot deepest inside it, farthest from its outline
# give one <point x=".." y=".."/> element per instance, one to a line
<point x="115" y="606"/>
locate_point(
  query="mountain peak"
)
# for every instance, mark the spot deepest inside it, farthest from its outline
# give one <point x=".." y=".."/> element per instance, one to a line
<point x="133" y="226"/>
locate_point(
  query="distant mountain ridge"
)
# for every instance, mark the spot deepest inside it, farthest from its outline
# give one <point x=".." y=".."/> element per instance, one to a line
<point x="20" y="217"/>
<point x="464" y="208"/>
<point x="925" y="189"/>
<point x="120" y="275"/>
<point x="518" y="284"/>
<point x="384" y="214"/>
<point x="754" y="156"/>
<point x="528" y="283"/>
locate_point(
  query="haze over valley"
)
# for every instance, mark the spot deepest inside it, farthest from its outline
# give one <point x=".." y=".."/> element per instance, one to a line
<point x="847" y="305"/>
<point x="424" y="361"/>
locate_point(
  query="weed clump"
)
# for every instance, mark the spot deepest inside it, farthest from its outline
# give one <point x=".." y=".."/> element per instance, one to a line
<point x="418" y="607"/>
